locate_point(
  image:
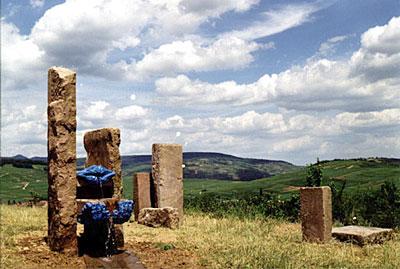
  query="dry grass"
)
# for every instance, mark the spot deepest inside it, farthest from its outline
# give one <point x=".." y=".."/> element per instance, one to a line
<point x="218" y="243"/>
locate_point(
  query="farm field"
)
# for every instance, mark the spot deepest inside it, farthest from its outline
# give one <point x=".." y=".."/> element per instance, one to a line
<point x="360" y="174"/>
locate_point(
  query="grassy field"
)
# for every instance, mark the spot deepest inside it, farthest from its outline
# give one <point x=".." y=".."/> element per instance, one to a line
<point x="202" y="242"/>
<point x="18" y="183"/>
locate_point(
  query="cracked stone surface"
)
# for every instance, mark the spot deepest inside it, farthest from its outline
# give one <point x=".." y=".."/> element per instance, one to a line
<point x="62" y="160"/>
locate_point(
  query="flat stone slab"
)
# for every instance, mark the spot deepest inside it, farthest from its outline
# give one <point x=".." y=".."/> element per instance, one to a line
<point x="362" y="235"/>
<point x="120" y="260"/>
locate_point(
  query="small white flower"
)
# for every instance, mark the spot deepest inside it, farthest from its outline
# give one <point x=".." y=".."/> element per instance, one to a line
<point x="354" y="218"/>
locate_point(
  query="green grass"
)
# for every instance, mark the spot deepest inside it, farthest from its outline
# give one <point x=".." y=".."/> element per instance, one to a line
<point x="360" y="175"/>
<point x="208" y="242"/>
<point x="18" y="183"/>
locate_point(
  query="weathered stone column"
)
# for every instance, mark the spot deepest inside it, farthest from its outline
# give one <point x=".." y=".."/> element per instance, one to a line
<point x="62" y="160"/>
<point x="141" y="192"/>
<point x="102" y="147"/>
<point x="316" y="214"/>
<point x="167" y="176"/>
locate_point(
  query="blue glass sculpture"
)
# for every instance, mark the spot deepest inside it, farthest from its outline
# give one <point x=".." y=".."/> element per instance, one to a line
<point x="95" y="174"/>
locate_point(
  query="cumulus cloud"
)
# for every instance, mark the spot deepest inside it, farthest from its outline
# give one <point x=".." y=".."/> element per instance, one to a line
<point x="163" y="44"/>
<point x="130" y="112"/>
<point x="367" y="81"/>
<point x="21" y="59"/>
<point x="186" y="56"/>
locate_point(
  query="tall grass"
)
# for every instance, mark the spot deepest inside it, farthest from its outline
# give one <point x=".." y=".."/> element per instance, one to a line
<point x="263" y="243"/>
<point x="226" y="242"/>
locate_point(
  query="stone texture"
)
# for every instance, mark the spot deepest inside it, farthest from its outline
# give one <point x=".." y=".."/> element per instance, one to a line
<point x="62" y="160"/>
<point x="316" y="214"/>
<point x="362" y="235"/>
<point x="141" y="192"/>
<point x="102" y="147"/>
<point x="159" y="217"/>
<point x="167" y="176"/>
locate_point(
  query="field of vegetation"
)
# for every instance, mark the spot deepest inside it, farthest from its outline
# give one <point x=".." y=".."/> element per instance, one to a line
<point x="202" y="242"/>
<point x="360" y="175"/>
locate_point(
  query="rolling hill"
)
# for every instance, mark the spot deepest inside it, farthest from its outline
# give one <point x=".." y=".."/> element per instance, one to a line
<point x="360" y="174"/>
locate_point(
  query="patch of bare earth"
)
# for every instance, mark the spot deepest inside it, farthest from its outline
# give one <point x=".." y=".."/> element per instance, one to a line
<point x="33" y="252"/>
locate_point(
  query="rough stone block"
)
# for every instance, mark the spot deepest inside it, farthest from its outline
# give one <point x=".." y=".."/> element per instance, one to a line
<point x="316" y="214"/>
<point x="159" y="217"/>
<point x="362" y="235"/>
<point x="62" y="160"/>
<point x="167" y="176"/>
<point x="102" y="147"/>
<point x="141" y="192"/>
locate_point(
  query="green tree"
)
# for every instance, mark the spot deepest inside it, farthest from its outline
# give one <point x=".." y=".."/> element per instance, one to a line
<point x="314" y="175"/>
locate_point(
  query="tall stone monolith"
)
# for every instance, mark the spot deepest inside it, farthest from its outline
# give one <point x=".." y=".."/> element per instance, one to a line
<point x="141" y="192"/>
<point x="102" y="148"/>
<point x="167" y="176"/>
<point x="316" y="214"/>
<point x="62" y="160"/>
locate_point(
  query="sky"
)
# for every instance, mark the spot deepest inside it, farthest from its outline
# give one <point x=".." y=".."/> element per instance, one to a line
<point x="288" y="80"/>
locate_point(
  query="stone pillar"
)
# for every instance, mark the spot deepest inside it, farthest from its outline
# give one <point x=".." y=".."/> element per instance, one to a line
<point x="167" y="176"/>
<point x="316" y="214"/>
<point x="141" y="192"/>
<point x="102" y="147"/>
<point x="62" y="160"/>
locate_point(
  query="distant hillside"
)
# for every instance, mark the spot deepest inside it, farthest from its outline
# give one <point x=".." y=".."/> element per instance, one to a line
<point x="359" y="174"/>
<point x="201" y="165"/>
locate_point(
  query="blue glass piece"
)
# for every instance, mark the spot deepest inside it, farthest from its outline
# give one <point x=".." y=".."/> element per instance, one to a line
<point x="93" y="212"/>
<point x="123" y="211"/>
<point x="95" y="174"/>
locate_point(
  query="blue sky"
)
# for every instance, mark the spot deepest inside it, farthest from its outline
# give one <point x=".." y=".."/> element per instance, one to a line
<point x="292" y="80"/>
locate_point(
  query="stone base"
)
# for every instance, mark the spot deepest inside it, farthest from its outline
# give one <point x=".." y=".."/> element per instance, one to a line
<point x="159" y="217"/>
<point x="362" y="235"/>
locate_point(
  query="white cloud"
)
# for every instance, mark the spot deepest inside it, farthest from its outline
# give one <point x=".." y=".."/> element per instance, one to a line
<point x="130" y="112"/>
<point x="37" y="3"/>
<point x="329" y="46"/>
<point x="21" y="58"/>
<point x="368" y="81"/>
<point x="133" y="97"/>
<point x="379" y="55"/>
<point x="294" y="144"/>
<point x="186" y="56"/>
<point x="96" y="110"/>
<point x="276" y="20"/>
